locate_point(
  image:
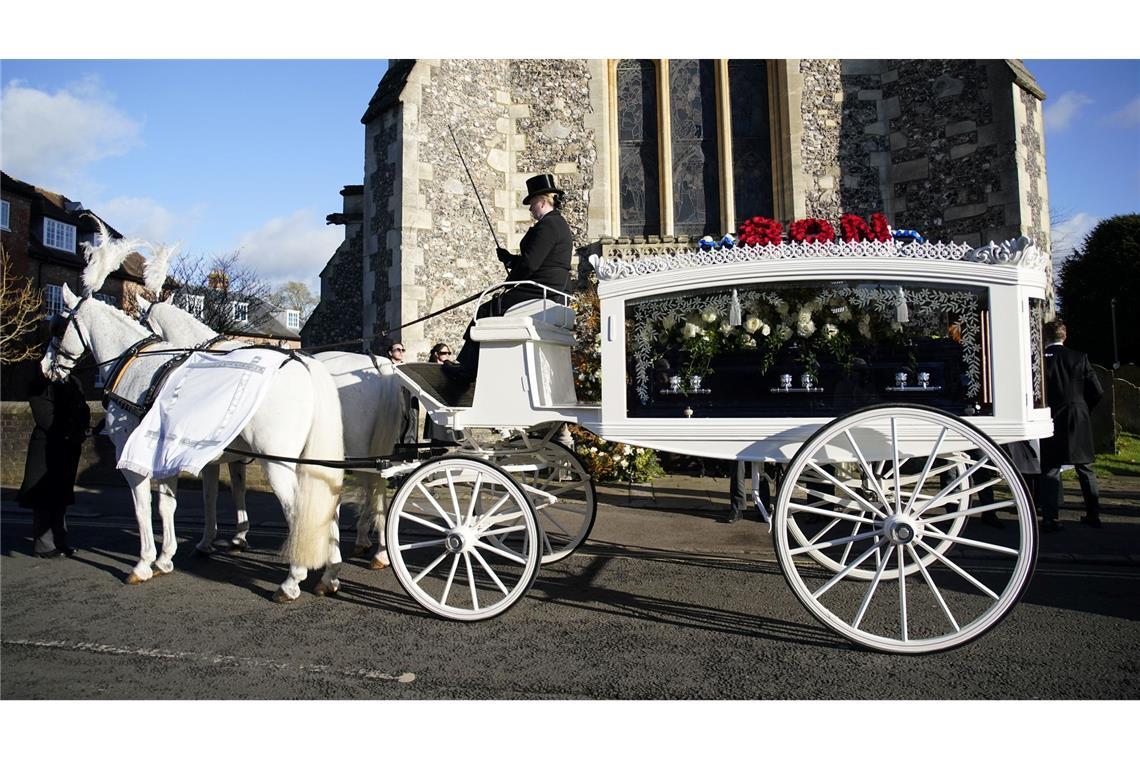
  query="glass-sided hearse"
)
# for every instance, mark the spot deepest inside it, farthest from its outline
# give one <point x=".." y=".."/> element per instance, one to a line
<point x="883" y="381"/>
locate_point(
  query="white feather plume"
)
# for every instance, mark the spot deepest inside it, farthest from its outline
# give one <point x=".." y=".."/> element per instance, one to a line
<point x="157" y="267"/>
<point x="105" y="258"/>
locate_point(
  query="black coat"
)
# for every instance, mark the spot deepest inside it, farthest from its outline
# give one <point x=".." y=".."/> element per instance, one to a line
<point x="61" y="420"/>
<point x="546" y="250"/>
<point x="1072" y="388"/>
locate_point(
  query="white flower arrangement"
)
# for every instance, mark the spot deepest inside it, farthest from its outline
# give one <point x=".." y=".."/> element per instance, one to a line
<point x="709" y="317"/>
<point x="805" y="327"/>
<point x="830" y="331"/>
<point x="690" y="330"/>
<point x="752" y="324"/>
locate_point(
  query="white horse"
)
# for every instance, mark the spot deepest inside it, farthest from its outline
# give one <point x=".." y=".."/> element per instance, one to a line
<point x="370" y="401"/>
<point x="299" y="417"/>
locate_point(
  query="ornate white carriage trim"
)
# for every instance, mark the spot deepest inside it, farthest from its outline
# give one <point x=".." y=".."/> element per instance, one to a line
<point x="641" y="259"/>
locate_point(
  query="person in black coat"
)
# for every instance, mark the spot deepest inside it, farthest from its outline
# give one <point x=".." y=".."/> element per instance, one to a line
<point x="1072" y="388"/>
<point x="546" y="252"/>
<point x="61" y="421"/>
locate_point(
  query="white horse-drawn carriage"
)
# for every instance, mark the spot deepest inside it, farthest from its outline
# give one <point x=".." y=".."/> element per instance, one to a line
<point x="892" y="375"/>
<point x="881" y="378"/>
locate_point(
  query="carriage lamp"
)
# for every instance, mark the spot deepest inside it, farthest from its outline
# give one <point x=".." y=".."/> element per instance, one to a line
<point x="924" y="379"/>
<point x="805" y="381"/>
<point x="900" y="379"/>
<point x="785" y="382"/>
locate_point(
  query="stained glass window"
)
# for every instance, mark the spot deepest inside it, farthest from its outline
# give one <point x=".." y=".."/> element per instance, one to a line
<point x="751" y="146"/>
<point x="638" y="172"/>
<point x="692" y="115"/>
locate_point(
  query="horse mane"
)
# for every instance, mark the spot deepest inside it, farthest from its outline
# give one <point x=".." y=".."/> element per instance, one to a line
<point x="156" y="268"/>
<point x="104" y="258"/>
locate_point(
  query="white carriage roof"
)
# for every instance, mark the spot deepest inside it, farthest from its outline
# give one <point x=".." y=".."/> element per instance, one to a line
<point x="621" y="262"/>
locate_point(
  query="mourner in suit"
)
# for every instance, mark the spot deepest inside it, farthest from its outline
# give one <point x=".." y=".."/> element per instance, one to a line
<point x="545" y="255"/>
<point x="61" y="419"/>
<point x="1072" y="388"/>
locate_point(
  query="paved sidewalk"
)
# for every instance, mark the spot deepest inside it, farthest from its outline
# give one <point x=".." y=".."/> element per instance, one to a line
<point x="675" y="513"/>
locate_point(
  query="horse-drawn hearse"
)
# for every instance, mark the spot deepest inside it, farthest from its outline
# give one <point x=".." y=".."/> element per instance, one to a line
<point x="879" y="379"/>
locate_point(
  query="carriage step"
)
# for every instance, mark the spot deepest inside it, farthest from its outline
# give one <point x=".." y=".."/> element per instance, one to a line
<point x="431" y="380"/>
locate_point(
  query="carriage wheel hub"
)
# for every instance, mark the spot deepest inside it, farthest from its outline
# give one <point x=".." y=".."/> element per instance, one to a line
<point x="455" y="542"/>
<point x="901" y="530"/>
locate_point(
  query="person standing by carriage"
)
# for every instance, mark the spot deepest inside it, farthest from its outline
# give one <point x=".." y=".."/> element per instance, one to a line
<point x="1072" y="388"/>
<point x="61" y="419"/>
<point x="545" y="255"/>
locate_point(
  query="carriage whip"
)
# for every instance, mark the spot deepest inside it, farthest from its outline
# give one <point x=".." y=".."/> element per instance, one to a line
<point x="469" y="177"/>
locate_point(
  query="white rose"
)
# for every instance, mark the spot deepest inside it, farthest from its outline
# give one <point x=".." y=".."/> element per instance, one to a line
<point x="804" y="315"/>
<point x="752" y="324"/>
<point x="805" y="328"/>
<point x="750" y="342"/>
<point x="690" y="330"/>
<point x="709" y="316"/>
<point x="725" y="328"/>
<point x="765" y="329"/>
<point x="830" y="331"/>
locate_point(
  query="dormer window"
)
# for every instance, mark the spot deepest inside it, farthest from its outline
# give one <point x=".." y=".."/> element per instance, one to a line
<point x="241" y="311"/>
<point x="293" y="319"/>
<point x="59" y="235"/>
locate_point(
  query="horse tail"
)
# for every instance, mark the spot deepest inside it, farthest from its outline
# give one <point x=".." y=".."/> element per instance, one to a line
<point x="318" y="488"/>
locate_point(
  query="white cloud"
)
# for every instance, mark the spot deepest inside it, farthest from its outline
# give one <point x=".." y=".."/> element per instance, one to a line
<point x="1127" y="117"/>
<point x="1061" y="112"/>
<point x="49" y="139"/>
<point x="294" y="247"/>
<point x="138" y="217"/>
<point x="1069" y="234"/>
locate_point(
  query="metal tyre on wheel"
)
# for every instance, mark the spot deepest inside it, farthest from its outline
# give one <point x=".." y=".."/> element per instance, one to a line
<point x="558" y="486"/>
<point x="463" y="539"/>
<point x="933" y="583"/>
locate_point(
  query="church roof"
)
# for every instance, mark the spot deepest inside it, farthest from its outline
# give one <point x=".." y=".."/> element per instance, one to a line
<point x="389" y="89"/>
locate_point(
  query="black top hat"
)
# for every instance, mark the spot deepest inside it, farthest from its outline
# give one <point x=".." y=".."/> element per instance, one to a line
<point x="539" y="184"/>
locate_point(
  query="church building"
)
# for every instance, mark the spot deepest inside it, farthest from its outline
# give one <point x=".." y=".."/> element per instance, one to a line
<point x="655" y="154"/>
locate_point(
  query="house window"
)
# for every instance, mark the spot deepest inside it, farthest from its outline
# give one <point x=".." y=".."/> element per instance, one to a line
<point x="53" y="300"/>
<point x="693" y="143"/>
<point x="293" y="319"/>
<point x="241" y="311"/>
<point x="5" y="211"/>
<point x="192" y="304"/>
<point x="59" y="235"/>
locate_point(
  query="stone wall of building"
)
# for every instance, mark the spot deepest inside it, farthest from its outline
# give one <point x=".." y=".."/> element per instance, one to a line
<point x="381" y="240"/>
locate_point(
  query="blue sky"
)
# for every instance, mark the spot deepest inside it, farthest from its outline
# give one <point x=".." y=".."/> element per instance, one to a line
<point x="250" y="155"/>
<point x="217" y="154"/>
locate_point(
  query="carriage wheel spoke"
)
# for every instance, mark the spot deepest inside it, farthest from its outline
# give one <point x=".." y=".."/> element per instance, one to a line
<point x="835" y="542"/>
<point x="941" y="495"/>
<point x="429" y="568"/>
<point x="933" y="588"/>
<point x="471" y="582"/>
<point x="490" y="572"/>
<point x="421" y="521"/>
<point x="895" y="455"/>
<point x="474" y="496"/>
<point x="421" y="544"/>
<point x="972" y="542"/>
<point x="871" y="589"/>
<point x="435" y="505"/>
<point x="503" y="552"/>
<point x="544" y="515"/>
<point x="871" y="474"/>
<point x="840" y="575"/>
<point x="831" y="513"/>
<point x="981" y="586"/>
<point x="902" y="595"/>
<point x="500" y="531"/>
<point x="968" y="512"/>
<point x="450" y="580"/>
<point x="835" y="481"/>
<point x="454" y="496"/>
<point x="547" y="548"/>
<point x="828" y="527"/>
<point x="847" y="549"/>
<point x="925" y="470"/>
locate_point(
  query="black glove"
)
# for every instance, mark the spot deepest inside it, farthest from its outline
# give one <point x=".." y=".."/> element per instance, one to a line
<point x="504" y="255"/>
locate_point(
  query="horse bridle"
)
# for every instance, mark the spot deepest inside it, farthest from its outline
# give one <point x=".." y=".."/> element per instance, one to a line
<point x="57" y="340"/>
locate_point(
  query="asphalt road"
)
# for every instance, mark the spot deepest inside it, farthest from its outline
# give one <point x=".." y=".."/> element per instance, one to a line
<point x="620" y="619"/>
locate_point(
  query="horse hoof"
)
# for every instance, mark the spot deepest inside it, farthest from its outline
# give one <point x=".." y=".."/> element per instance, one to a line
<point x="324" y="589"/>
<point x="237" y="545"/>
<point x="362" y="550"/>
<point x="134" y="580"/>
<point x="377" y="564"/>
<point x="159" y="571"/>
<point x="281" y="597"/>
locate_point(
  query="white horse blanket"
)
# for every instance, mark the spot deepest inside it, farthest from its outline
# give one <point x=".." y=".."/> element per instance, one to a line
<point x="203" y="405"/>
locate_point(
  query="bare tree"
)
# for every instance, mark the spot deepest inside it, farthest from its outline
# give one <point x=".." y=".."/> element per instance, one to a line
<point x="296" y="296"/>
<point x="222" y="291"/>
<point x="22" y="308"/>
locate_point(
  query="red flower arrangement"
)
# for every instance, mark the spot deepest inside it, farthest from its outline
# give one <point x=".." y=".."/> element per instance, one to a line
<point x="812" y="231"/>
<point x="760" y="230"/>
<point x="854" y="229"/>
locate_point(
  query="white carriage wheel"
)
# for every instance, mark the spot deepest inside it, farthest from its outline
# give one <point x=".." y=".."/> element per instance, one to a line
<point x="948" y="600"/>
<point x="819" y="526"/>
<point x="558" y="486"/>
<point x="463" y="539"/>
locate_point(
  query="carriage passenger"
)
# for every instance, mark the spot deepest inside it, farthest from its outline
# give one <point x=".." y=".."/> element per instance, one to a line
<point x="545" y="255"/>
